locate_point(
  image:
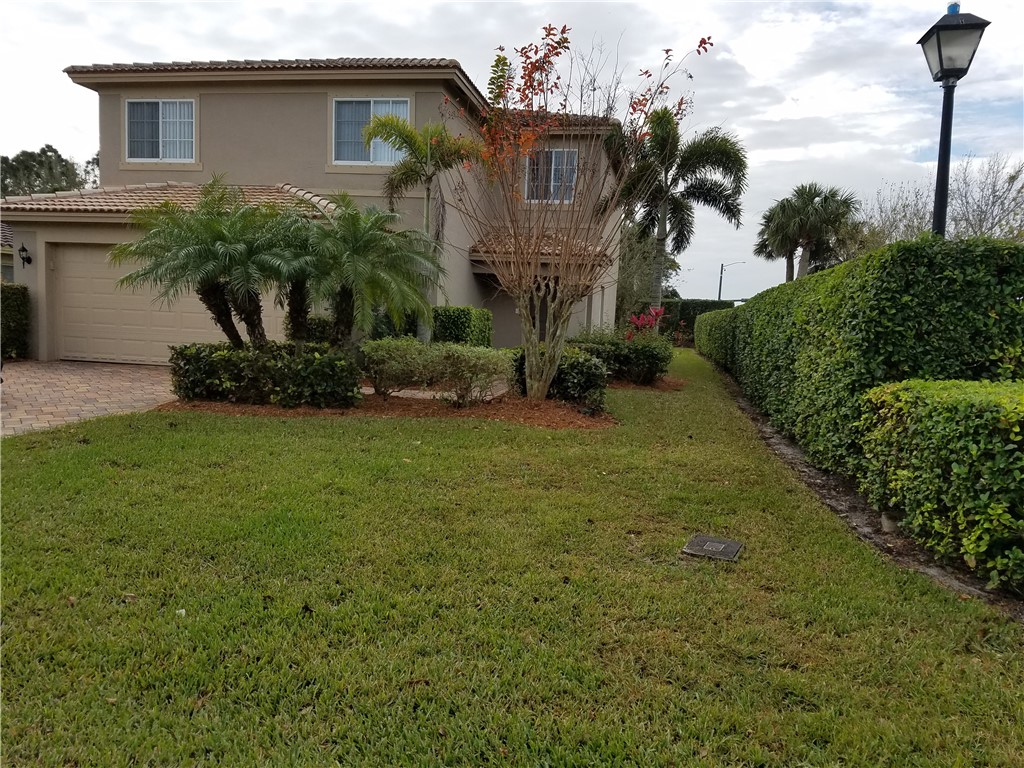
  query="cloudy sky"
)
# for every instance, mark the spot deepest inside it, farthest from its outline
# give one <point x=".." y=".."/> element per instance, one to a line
<point x="833" y="92"/>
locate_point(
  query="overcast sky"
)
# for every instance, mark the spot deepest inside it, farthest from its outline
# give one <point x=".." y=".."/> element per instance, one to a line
<point x="833" y="92"/>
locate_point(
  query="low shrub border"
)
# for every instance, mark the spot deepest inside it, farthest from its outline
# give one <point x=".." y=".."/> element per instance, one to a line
<point x="948" y="457"/>
<point x="318" y="376"/>
<point x="641" y="360"/>
<point x="581" y="379"/>
<point x="15" y="320"/>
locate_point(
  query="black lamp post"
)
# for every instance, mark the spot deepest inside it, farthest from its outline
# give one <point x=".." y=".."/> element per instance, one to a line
<point x="721" y="272"/>
<point x="949" y="48"/>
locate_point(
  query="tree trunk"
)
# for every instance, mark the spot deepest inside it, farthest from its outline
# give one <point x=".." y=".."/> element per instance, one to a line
<point x="422" y="326"/>
<point x="789" y="268"/>
<point x="543" y="307"/>
<point x="298" y="312"/>
<point x="344" y="317"/>
<point x="250" y="312"/>
<point x="805" y="260"/>
<point x="215" y="299"/>
<point x="660" y="254"/>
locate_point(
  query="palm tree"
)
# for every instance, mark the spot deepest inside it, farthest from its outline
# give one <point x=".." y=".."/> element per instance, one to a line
<point x="224" y="250"/>
<point x="357" y="261"/>
<point x="671" y="177"/>
<point x="426" y="153"/>
<point x="810" y="219"/>
<point x="771" y="245"/>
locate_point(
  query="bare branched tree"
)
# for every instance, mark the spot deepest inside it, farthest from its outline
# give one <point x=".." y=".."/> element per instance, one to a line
<point x="543" y="205"/>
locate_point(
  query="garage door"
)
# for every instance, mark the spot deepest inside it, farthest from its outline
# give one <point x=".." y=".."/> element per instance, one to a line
<point x="96" y="320"/>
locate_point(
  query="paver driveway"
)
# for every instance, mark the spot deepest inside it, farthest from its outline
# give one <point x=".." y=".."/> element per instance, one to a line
<point x="38" y="395"/>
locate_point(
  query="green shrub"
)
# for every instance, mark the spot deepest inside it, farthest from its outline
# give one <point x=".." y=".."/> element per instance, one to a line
<point x="805" y="352"/>
<point x="641" y="360"/>
<point x="581" y="379"/>
<point x="384" y="326"/>
<point x="948" y="456"/>
<point x="392" y="364"/>
<point x="687" y="311"/>
<point x="15" y="320"/>
<point x="713" y="337"/>
<point x="463" y="325"/>
<point x="318" y="376"/>
<point x="470" y="374"/>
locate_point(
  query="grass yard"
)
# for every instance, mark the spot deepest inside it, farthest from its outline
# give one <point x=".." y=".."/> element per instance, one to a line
<point x="185" y="589"/>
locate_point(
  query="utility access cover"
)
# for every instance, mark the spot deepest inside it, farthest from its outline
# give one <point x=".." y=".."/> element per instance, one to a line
<point x="709" y="546"/>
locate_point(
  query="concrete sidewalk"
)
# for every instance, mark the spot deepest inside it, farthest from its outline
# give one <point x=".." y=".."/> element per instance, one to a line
<point x="38" y="395"/>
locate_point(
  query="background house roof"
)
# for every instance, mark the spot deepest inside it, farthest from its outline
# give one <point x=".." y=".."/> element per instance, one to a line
<point x="269" y="64"/>
<point x="134" y="196"/>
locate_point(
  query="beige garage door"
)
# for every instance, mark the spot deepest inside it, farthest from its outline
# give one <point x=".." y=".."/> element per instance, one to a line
<point x="96" y="320"/>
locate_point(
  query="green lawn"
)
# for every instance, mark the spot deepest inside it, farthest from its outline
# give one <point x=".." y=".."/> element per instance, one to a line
<point x="185" y="589"/>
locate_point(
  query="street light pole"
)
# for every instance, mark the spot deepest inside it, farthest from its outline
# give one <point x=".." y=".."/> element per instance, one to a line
<point x="945" y="148"/>
<point x="721" y="272"/>
<point x="949" y="48"/>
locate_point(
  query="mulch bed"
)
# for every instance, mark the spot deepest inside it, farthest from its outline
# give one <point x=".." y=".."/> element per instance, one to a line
<point x="549" y="413"/>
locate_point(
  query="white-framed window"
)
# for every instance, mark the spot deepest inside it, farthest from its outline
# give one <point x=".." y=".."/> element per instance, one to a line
<point x="7" y="268"/>
<point x="551" y="176"/>
<point x="351" y="116"/>
<point x="160" y="130"/>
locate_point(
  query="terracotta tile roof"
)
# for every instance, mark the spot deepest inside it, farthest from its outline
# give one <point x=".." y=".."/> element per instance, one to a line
<point x="268" y="64"/>
<point x="501" y="247"/>
<point x="6" y="236"/>
<point x="129" y="198"/>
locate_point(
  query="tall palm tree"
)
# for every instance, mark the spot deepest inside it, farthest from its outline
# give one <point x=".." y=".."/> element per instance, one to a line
<point x="357" y="261"/>
<point x="223" y="250"/>
<point x="671" y="177"/>
<point x="426" y="152"/>
<point x="811" y="217"/>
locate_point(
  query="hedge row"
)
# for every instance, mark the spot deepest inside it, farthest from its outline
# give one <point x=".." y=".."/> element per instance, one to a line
<point x="15" y="320"/>
<point x="687" y="311"/>
<point x="318" y="376"/>
<point x="948" y="456"/>
<point x="642" y="360"/>
<point x="806" y="352"/>
<point x="468" y="373"/>
<point x="463" y="325"/>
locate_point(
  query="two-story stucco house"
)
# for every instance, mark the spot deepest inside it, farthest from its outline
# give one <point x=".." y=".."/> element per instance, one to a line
<point x="278" y="129"/>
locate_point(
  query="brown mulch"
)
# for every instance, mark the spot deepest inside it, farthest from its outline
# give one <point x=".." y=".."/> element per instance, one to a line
<point x="549" y="413"/>
<point x="664" y="384"/>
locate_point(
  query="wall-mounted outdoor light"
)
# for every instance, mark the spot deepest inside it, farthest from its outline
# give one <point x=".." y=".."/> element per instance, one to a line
<point x="23" y="254"/>
<point x="949" y="48"/>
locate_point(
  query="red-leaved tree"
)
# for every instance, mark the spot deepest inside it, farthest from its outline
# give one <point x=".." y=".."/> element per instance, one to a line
<point x="544" y="203"/>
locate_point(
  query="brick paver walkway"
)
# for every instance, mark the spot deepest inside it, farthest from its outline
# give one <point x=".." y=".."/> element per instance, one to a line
<point x="38" y="395"/>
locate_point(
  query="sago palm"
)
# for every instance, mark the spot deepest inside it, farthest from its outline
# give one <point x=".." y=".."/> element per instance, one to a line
<point x="357" y="261"/>
<point x="222" y="249"/>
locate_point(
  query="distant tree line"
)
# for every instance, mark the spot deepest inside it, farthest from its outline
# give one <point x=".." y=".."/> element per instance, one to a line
<point x="46" y="170"/>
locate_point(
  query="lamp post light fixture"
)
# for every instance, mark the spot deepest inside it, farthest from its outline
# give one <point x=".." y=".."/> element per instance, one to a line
<point x="23" y="254"/>
<point x="721" y="272"/>
<point x="949" y="48"/>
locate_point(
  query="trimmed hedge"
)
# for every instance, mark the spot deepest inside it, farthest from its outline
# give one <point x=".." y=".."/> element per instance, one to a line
<point x="687" y="310"/>
<point x="948" y="456"/>
<point x="15" y="320"/>
<point x="463" y="325"/>
<point x="805" y="352"/>
<point x="319" y="376"/>
<point x="581" y="379"/>
<point x="467" y="374"/>
<point x="642" y="360"/>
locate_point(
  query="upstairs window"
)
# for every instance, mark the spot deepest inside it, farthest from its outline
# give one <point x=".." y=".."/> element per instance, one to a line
<point x="551" y="176"/>
<point x="351" y="116"/>
<point x="161" y="130"/>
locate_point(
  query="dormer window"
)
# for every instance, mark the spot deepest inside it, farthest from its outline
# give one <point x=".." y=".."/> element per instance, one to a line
<point x="160" y="130"/>
<point x="551" y="176"/>
<point x="351" y="116"/>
